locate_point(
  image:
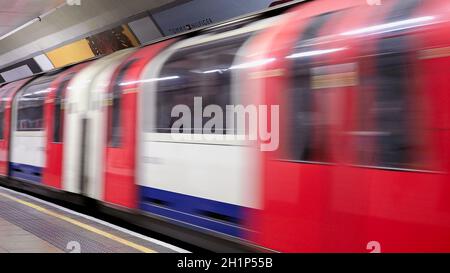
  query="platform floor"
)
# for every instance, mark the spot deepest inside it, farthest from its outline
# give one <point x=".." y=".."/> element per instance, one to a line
<point x="31" y="225"/>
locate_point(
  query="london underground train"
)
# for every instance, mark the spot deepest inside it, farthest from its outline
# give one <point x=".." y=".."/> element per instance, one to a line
<point x="356" y="118"/>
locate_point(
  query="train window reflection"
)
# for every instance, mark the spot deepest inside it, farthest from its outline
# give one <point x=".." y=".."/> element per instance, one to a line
<point x="30" y="107"/>
<point x="58" y="113"/>
<point x="311" y="108"/>
<point x="201" y="71"/>
<point x="390" y="108"/>
<point x="114" y="110"/>
<point x="5" y="93"/>
<point x="2" y="119"/>
<point x="311" y="119"/>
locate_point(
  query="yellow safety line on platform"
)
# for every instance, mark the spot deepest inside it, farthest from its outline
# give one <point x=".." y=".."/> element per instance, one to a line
<point x="80" y="224"/>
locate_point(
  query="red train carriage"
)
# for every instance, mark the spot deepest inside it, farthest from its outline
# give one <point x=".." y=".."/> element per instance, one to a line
<point x="364" y="153"/>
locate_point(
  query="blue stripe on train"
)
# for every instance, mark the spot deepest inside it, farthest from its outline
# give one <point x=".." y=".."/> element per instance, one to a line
<point x="25" y="172"/>
<point x="218" y="216"/>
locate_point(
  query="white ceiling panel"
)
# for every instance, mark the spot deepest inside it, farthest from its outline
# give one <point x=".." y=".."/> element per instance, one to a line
<point x="15" y="13"/>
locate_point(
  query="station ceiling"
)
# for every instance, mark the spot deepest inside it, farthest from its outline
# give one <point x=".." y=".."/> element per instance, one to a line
<point x="14" y="14"/>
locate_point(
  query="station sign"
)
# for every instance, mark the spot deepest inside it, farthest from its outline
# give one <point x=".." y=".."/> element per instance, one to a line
<point x="199" y="13"/>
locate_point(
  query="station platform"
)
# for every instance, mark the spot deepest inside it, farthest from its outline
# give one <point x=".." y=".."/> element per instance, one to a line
<point x="31" y="225"/>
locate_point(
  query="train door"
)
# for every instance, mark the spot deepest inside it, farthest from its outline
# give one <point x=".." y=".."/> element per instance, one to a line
<point x="85" y="127"/>
<point x="96" y="126"/>
<point x="120" y="148"/>
<point x="310" y="88"/>
<point x="344" y="225"/>
<point x="7" y="93"/>
<point x="4" y="142"/>
<point x="54" y="115"/>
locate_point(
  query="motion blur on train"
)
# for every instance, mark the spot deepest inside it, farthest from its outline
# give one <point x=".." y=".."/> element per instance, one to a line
<point x="362" y="94"/>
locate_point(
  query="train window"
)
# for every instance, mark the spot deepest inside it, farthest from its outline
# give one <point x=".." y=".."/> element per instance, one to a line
<point x="390" y="110"/>
<point x="202" y="71"/>
<point x="30" y="107"/>
<point x="4" y="95"/>
<point x="114" y="110"/>
<point x="58" y="113"/>
<point x="311" y="118"/>
<point x="2" y="118"/>
<point x="311" y="110"/>
<point x="391" y="130"/>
